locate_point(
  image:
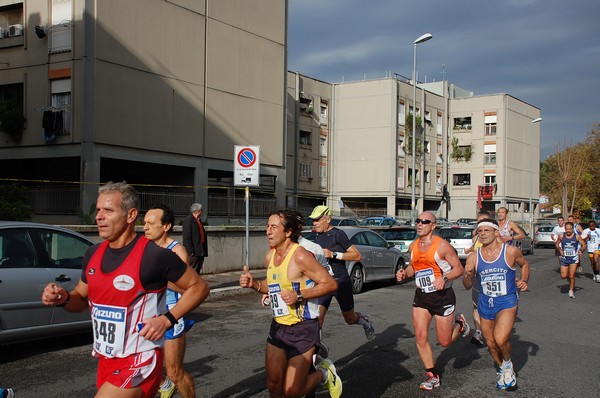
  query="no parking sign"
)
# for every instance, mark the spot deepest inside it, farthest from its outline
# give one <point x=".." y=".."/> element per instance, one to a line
<point x="246" y="165"/>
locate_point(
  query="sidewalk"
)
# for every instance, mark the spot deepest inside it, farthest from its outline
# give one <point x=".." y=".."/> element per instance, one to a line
<point x="228" y="283"/>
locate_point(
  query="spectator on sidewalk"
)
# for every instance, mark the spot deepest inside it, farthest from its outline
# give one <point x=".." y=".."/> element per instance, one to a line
<point x="195" y="240"/>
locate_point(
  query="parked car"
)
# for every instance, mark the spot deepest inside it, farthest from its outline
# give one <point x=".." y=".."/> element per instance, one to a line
<point x="542" y="237"/>
<point x="466" y="221"/>
<point x="31" y="256"/>
<point x="380" y="259"/>
<point x="381" y="221"/>
<point x="401" y="237"/>
<point x="525" y="244"/>
<point x="460" y="237"/>
<point x="344" y="222"/>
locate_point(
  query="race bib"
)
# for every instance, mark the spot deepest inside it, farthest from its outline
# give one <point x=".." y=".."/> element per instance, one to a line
<point x="278" y="306"/>
<point x="109" y="329"/>
<point x="424" y="279"/>
<point x="569" y="252"/>
<point x="494" y="285"/>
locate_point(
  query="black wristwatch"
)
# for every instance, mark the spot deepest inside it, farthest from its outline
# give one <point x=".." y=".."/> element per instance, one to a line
<point x="445" y="278"/>
<point x="299" y="298"/>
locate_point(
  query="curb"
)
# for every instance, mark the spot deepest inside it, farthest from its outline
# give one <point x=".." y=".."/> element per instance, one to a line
<point x="216" y="294"/>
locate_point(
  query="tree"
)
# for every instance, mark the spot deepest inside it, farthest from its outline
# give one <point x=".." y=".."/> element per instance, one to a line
<point x="13" y="204"/>
<point x="409" y="135"/>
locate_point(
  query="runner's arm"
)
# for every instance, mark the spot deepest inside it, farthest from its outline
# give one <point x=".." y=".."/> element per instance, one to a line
<point x="469" y="271"/>
<point x="73" y="301"/>
<point x="517" y="232"/>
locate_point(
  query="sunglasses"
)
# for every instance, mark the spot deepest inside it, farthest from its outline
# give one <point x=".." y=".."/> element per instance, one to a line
<point x="423" y="221"/>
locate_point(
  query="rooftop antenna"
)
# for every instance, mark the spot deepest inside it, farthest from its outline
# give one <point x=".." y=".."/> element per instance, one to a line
<point x="443" y="71"/>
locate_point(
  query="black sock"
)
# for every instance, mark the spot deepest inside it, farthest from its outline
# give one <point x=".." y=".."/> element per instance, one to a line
<point x="432" y="370"/>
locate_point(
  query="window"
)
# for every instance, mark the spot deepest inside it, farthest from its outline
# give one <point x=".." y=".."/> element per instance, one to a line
<point x="489" y="179"/>
<point x="64" y="251"/>
<point x="427" y="117"/>
<point x="324" y="112"/>
<point x="490" y="124"/>
<point x="462" y="123"/>
<point x="304" y="171"/>
<point x="61" y="100"/>
<point x="400" y="178"/>
<point x="305" y="138"/>
<point x="439" y="124"/>
<point x="427" y="148"/>
<point x="323" y="146"/>
<point x="11" y="25"/>
<point x="459" y="180"/>
<point x="426" y="177"/>
<point x="323" y="176"/>
<point x="401" y="152"/>
<point x="401" y="113"/>
<point x="306" y="104"/>
<point x="11" y="96"/>
<point x="489" y="153"/>
<point x="60" y="39"/>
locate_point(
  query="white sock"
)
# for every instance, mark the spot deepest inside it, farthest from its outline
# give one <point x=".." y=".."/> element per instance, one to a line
<point x="362" y="321"/>
<point x="507" y="364"/>
<point x="325" y="374"/>
<point x="166" y="384"/>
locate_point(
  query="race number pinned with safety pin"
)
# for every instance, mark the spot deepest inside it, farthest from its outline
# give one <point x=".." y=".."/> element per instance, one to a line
<point x="424" y="280"/>
<point x="278" y="306"/>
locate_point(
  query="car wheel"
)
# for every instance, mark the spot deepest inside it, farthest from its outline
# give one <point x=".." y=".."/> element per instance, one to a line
<point x="399" y="265"/>
<point x="357" y="278"/>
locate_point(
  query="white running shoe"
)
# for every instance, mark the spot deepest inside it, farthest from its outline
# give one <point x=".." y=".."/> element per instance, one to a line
<point x="500" y="379"/>
<point x="510" y="378"/>
<point x="571" y="294"/>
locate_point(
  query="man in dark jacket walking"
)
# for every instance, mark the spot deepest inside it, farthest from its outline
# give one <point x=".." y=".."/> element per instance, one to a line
<point x="194" y="238"/>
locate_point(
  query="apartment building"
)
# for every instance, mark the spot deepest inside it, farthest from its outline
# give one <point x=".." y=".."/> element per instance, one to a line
<point x="472" y="152"/>
<point x="154" y="92"/>
<point x="494" y="155"/>
<point x="308" y="136"/>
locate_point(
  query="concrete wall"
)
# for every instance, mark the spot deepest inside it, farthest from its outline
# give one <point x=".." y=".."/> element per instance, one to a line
<point x="226" y="246"/>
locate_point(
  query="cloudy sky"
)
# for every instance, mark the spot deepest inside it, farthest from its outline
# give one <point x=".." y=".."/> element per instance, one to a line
<point x="544" y="52"/>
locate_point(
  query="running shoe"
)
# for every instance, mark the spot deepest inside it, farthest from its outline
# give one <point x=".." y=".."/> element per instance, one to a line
<point x="598" y="278"/>
<point x="333" y="383"/>
<point x="167" y="392"/>
<point x="510" y="378"/>
<point x="432" y="381"/>
<point x="369" y="329"/>
<point x="462" y="321"/>
<point x="500" y="379"/>
<point x="571" y="294"/>
<point x="477" y="339"/>
<point x="579" y="269"/>
<point x="595" y="278"/>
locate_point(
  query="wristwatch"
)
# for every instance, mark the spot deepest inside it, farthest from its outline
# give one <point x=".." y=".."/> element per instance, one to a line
<point x="445" y="278"/>
<point x="300" y="297"/>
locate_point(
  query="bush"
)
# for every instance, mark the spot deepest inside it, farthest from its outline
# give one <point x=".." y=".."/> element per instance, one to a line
<point x="13" y="204"/>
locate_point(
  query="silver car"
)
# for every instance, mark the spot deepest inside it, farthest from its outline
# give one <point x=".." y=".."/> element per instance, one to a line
<point x="31" y="256"/>
<point x="460" y="237"/>
<point x="380" y="259"/>
<point x="525" y="244"/>
<point x="543" y="236"/>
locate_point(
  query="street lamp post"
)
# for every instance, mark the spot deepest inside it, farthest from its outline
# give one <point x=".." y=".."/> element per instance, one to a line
<point x="419" y="40"/>
<point x="539" y="119"/>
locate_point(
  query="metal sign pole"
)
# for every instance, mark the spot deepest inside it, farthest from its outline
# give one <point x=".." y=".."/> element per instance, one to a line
<point x="247" y="198"/>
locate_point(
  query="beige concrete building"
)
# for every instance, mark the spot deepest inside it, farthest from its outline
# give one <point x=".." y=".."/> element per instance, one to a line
<point x="483" y="150"/>
<point x="153" y="92"/>
<point x="308" y="141"/>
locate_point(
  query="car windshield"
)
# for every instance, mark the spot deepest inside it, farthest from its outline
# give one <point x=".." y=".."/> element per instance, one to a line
<point x="400" y="235"/>
<point x="456" y="233"/>
<point x="545" y="229"/>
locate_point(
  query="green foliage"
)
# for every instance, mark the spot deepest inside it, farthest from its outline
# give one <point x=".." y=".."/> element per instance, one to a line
<point x="409" y="135"/>
<point x="13" y="203"/>
<point x="12" y="120"/>
<point x="460" y="153"/>
<point x="89" y="217"/>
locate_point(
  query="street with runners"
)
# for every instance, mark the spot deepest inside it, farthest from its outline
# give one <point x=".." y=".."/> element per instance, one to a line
<point x="225" y="352"/>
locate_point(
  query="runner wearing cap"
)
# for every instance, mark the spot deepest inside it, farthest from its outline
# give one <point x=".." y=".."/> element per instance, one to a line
<point x="338" y="249"/>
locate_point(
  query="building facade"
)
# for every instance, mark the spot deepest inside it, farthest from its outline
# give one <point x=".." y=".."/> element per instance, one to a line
<point x="156" y="93"/>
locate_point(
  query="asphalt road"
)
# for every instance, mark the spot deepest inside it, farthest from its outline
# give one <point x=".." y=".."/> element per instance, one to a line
<point x="556" y="347"/>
